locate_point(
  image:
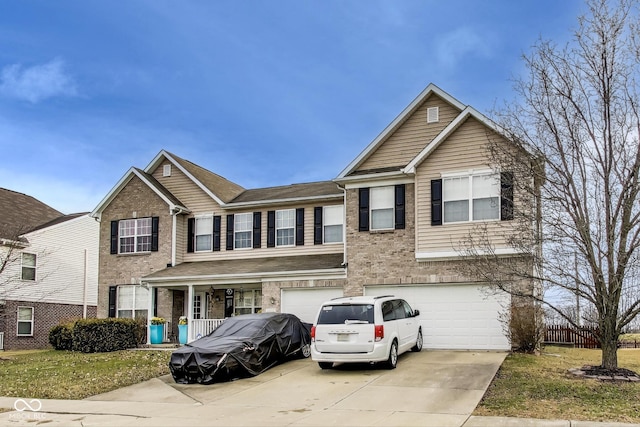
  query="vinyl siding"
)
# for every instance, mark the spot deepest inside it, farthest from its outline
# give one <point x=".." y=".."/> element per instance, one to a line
<point x="462" y="151"/>
<point x="411" y="136"/>
<point x="307" y="249"/>
<point x="60" y="260"/>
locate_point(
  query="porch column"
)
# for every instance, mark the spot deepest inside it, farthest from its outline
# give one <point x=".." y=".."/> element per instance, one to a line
<point x="190" y="336"/>
<point x="152" y="304"/>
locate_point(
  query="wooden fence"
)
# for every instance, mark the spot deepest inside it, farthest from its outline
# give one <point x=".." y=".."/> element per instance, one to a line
<point x="568" y="335"/>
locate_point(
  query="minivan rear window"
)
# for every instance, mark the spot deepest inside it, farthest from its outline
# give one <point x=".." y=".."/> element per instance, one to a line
<point x="346" y="313"/>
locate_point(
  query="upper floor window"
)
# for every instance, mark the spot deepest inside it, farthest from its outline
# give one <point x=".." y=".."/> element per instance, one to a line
<point x="285" y="227"/>
<point x="134" y="235"/>
<point x="382" y="208"/>
<point x="471" y="197"/>
<point x="204" y="233"/>
<point x="332" y="224"/>
<point x="28" y="266"/>
<point x="243" y="230"/>
<point x="25" y="322"/>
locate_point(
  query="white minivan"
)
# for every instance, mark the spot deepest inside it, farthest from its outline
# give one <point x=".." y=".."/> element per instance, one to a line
<point x="364" y="329"/>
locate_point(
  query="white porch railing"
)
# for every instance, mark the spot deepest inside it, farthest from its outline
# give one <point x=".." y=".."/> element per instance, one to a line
<point x="202" y="327"/>
<point x="1" y="340"/>
<point x="166" y="332"/>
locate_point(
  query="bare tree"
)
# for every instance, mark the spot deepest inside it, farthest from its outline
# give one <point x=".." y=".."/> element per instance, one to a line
<point x="576" y="122"/>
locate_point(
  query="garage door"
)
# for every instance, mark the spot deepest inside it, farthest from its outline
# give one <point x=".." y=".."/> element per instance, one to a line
<point x="305" y="303"/>
<point x="454" y="316"/>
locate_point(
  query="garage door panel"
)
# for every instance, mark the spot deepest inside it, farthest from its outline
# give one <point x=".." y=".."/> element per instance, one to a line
<point x="454" y="316"/>
<point x="306" y="302"/>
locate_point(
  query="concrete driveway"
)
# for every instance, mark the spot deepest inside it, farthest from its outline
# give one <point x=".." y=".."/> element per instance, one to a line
<point x="430" y="388"/>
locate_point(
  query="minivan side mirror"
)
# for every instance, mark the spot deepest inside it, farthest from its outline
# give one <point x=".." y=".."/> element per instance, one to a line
<point x="416" y="313"/>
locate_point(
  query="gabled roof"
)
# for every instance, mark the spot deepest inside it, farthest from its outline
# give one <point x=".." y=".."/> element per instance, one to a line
<point x="395" y="124"/>
<point x="288" y="193"/>
<point x="59" y="220"/>
<point x="20" y="213"/>
<point x="150" y="181"/>
<point x="446" y="132"/>
<point x="217" y="187"/>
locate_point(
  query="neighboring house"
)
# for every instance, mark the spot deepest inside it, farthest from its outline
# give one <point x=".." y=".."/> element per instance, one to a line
<point x="48" y="269"/>
<point x="178" y="240"/>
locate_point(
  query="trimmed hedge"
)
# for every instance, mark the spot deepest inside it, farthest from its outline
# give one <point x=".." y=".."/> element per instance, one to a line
<point x="95" y="335"/>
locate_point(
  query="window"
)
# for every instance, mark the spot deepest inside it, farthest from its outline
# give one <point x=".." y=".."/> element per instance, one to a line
<point x="28" y="266"/>
<point x="432" y="115"/>
<point x="25" y="321"/>
<point x="204" y="233"/>
<point x="475" y="196"/>
<point x="285" y="227"/>
<point x="134" y="235"/>
<point x="133" y="301"/>
<point x="333" y="218"/>
<point x="248" y="301"/>
<point x="242" y="230"/>
<point x="382" y="208"/>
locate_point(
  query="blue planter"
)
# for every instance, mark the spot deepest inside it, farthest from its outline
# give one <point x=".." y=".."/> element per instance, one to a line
<point x="182" y="333"/>
<point x="157" y="334"/>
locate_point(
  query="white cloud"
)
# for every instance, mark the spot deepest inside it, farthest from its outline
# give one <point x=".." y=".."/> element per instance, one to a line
<point x="37" y="82"/>
<point x="460" y="43"/>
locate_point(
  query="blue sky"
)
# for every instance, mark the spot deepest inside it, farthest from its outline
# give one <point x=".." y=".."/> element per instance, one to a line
<point x="262" y="92"/>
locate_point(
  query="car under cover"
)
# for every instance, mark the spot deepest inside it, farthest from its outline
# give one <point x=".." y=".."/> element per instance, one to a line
<point x="243" y="346"/>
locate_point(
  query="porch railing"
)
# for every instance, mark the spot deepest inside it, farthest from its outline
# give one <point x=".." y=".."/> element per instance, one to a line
<point x="202" y="327"/>
<point x="166" y="332"/>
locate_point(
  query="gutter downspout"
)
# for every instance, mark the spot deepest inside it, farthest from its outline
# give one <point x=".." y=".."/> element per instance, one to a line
<point x="174" y="233"/>
<point x="84" y="288"/>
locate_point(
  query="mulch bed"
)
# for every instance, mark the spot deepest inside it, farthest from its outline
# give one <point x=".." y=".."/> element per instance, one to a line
<point x="602" y="374"/>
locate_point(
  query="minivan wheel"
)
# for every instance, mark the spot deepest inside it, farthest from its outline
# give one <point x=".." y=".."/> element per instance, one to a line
<point x="392" y="361"/>
<point x="325" y="365"/>
<point x="419" y="342"/>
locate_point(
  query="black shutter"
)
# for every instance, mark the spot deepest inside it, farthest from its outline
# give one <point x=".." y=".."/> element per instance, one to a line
<point x="155" y="221"/>
<point x="436" y="202"/>
<point x="317" y="225"/>
<point x="112" y="300"/>
<point x="271" y="229"/>
<point x="299" y="226"/>
<point x="217" y="221"/>
<point x="230" y="232"/>
<point x="257" y="226"/>
<point x="399" y="207"/>
<point x="155" y="302"/>
<point x="114" y="237"/>
<point x="191" y="225"/>
<point x="506" y="196"/>
<point x="364" y="209"/>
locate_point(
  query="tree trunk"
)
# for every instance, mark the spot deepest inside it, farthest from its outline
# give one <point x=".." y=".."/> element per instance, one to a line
<point x="609" y="344"/>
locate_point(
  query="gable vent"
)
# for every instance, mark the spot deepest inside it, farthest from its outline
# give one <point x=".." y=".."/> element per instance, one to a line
<point x="166" y="170"/>
<point x="432" y="115"/>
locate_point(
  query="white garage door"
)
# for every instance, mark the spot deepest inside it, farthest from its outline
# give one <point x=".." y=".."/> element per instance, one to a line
<point x="306" y="302"/>
<point x="454" y="316"/>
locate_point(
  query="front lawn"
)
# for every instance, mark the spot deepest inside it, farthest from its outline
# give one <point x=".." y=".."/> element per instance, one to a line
<point x="51" y="374"/>
<point x="540" y="387"/>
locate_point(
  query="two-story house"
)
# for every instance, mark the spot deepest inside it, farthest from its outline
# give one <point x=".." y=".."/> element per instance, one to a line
<point x="177" y="239"/>
<point x="48" y="269"/>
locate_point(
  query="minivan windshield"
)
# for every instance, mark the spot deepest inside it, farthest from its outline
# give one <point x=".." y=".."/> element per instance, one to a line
<point x="345" y="313"/>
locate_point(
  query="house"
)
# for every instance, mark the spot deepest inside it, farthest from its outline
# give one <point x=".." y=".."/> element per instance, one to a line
<point x="176" y="239"/>
<point x="48" y="269"/>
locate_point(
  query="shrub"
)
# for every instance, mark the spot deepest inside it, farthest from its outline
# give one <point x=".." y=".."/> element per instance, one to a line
<point x="525" y="328"/>
<point x="102" y="335"/>
<point x="61" y="336"/>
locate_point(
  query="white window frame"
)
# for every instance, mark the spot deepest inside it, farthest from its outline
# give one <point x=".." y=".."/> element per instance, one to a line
<point x="33" y="267"/>
<point x="433" y="115"/>
<point x="377" y="206"/>
<point x="203" y="227"/>
<point x="470" y="196"/>
<point x="133" y="308"/>
<point x="247" y="305"/>
<point x="243" y="223"/>
<point x="290" y="225"/>
<point x="136" y="235"/>
<point x="30" y="321"/>
<point x="327" y="222"/>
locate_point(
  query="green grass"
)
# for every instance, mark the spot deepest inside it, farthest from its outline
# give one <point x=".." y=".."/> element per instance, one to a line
<point x="52" y="374"/>
<point x="630" y="337"/>
<point x="540" y="387"/>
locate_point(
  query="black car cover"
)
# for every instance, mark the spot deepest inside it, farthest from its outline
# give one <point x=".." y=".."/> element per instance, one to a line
<point x="242" y="346"/>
